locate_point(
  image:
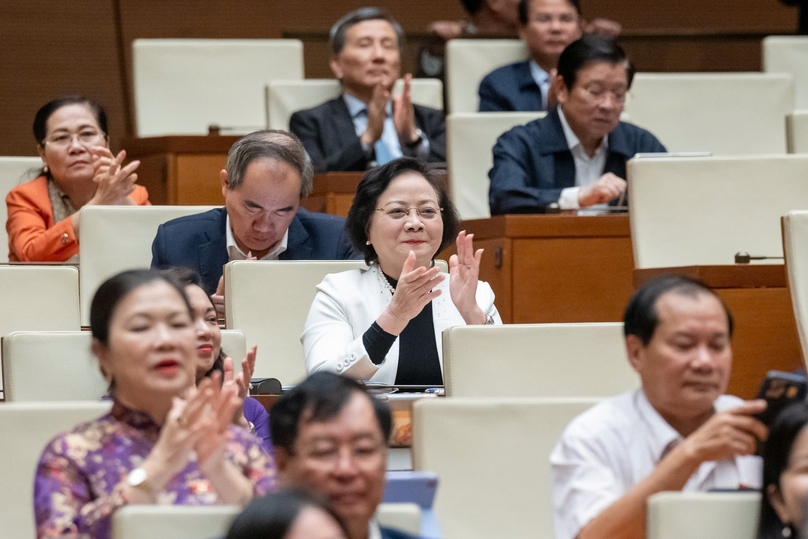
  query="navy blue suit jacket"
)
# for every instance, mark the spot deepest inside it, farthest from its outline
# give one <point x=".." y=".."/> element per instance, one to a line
<point x="199" y="242"/>
<point x="532" y="163"/>
<point x="391" y="533"/>
<point x="510" y="88"/>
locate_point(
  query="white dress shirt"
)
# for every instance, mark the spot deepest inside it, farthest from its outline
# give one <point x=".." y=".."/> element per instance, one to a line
<point x="613" y="446"/>
<point x="542" y="79"/>
<point x="234" y="253"/>
<point x="359" y="115"/>
<point x="588" y="170"/>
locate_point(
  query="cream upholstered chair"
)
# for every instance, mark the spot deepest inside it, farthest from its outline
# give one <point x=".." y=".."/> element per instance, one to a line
<point x="118" y="238"/>
<point x="174" y="521"/>
<point x="789" y="54"/>
<point x="470" y="137"/>
<point x="13" y="172"/>
<point x="468" y="61"/>
<point x="703" y="515"/>
<point x="184" y="85"/>
<point x="797" y="124"/>
<point x="59" y="365"/>
<point x="285" y="97"/>
<point x="492" y="457"/>
<point x="722" y="113"/>
<point x="701" y="211"/>
<point x="401" y="516"/>
<point x="795" y="236"/>
<point x="27" y="428"/>
<point x="536" y="360"/>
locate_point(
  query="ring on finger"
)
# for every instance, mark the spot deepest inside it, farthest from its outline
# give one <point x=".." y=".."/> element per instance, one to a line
<point x="181" y="421"/>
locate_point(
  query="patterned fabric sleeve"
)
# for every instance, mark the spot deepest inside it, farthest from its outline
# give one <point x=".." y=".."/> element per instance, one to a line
<point x="254" y="462"/>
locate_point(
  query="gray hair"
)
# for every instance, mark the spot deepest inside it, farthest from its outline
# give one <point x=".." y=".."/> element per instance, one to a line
<point x="336" y="36"/>
<point x="270" y="144"/>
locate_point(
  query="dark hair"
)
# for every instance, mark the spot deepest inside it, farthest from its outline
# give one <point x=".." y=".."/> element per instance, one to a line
<point x="336" y="36"/>
<point x="374" y="184"/>
<point x="524" y="8"/>
<point x="271" y="516"/>
<point x="321" y="396"/>
<point x="641" y="317"/>
<point x="45" y="112"/>
<point x="269" y="144"/>
<point x="472" y="6"/>
<point x="776" y="451"/>
<point x="588" y="49"/>
<point x="116" y="288"/>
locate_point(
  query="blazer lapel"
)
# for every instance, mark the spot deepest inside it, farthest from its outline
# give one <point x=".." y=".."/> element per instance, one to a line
<point x="298" y="246"/>
<point x="213" y="254"/>
<point x="341" y="120"/>
<point x="557" y="145"/>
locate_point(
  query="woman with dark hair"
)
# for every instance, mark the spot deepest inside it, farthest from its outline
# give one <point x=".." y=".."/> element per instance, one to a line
<point x="785" y="475"/>
<point x="211" y="358"/>
<point x="79" y="170"/>
<point x="384" y="324"/>
<point x="164" y="441"/>
<point x="289" y="514"/>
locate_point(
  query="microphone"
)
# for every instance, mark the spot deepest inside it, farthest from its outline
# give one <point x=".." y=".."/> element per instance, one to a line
<point x="746" y="258"/>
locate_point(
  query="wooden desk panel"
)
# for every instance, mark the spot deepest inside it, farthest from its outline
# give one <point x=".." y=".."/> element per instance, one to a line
<point x="333" y="192"/>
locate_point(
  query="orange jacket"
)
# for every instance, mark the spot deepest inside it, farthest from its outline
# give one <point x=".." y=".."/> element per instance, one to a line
<point x="32" y="234"/>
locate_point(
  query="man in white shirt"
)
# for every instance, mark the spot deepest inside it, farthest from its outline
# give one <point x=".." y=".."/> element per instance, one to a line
<point x="677" y="432"/>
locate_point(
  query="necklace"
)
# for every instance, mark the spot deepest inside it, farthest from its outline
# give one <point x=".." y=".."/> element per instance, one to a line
<point x="385" y="282"/>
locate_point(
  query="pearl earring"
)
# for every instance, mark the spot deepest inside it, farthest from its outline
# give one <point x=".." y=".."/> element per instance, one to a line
<point x="45" y="169"/>
<point x="787" y="530"/>
<point x="367" y="242"/>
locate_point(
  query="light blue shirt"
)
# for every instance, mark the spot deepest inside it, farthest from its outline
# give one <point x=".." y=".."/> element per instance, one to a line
<point x="542" y="79"/>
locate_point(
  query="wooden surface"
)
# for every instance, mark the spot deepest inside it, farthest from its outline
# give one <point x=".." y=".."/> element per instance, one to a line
<point x="765" y="335"/>
<point x="333" y="192"/>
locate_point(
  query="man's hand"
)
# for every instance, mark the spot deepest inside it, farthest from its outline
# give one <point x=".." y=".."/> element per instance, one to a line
<point x="404" y="115"/>
<point x="376" y="115"/>
<point x="728" y="434"/>
<point x="603" y="27"/>
<point x="552" y="97"/>
<point x="447" y="30"/>
<point x="218" y="300"/>
<point x="605" y="189"/>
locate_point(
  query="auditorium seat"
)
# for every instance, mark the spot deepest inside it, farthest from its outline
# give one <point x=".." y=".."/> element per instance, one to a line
<point x="721" y="113"/>
<point x="492" y="458"/>
<point x="470" y="137"/>
<point x="401" y="516"/>
<point x="795" y="247"/>
<point x="118" y="238"/>
<point x="789" y="54"/>
<point x="537" y="360"/>
<point x="797" y="123"/>
<point x="468" y="61"/>
<point x="181" y="86"/>
<point x="284" y="97"/>
<point x="174" y="521"/>
<point x="59" y="365"/>
<point x="13" y="172"/>
<point x="27" y="428"/>
<point x="704" y="210"/>
<point x="703" y="515"/>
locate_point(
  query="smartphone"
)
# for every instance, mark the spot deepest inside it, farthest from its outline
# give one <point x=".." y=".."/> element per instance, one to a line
<point x="780" y="389"/>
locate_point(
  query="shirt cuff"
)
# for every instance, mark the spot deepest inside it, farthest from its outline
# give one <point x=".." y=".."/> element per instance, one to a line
<point x="420" y="151"/>
<point x="377" y="343"/>
<point x="569" y="198"/>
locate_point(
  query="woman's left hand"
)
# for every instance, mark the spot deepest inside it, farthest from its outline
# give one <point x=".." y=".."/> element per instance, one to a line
<point x="241" y="383"/>
<point x="222" y="402"/>
<point x="464" y="271"/>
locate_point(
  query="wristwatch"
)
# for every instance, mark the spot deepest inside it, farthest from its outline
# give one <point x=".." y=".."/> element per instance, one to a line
<point x="419" y="138"/>
<point x="138" y="478"/>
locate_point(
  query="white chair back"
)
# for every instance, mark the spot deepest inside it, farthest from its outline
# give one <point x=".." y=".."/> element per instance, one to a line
<point x="703" y="515"/>
<point x="401" y="516"/>
<point x="495" y="484"/>
<point x="789" y="54"/>
<point x="468" y="61"/>
<point x="797" y="124"/>
<point x="285" y="97"/>
<point x="701" y="211"/>
<point x="470" y="137"/>
<point x="184" y="85"/>
<point x="118" y="238"/>
<point x="795" y="236"/>
<point x="721" y="113"/>
<point x="27" y="428"/>
<point x="537" y="360"/>
<point x="174" y="521"/>
<point x="13" y="172"/>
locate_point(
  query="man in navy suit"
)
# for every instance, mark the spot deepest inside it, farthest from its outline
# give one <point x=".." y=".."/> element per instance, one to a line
<point x="267" y="174"/>
<point x="330" y="436"/>
<point x="576" y="156"/>
<point x="366" y="125"/>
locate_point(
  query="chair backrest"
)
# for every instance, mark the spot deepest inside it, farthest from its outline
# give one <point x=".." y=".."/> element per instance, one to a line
<point x="468" y="61"/>
<point x="795" y="248"/>
<point x="43" y="366"/>
<point x="184" y="85"/>
<point x="492" y="457"/>
<point x="536" y="360"/>
<point x="174" y="521"/>
<point x="118" y="238"/>
<point x="470" y="137"/>
<point x="789" y="54"/>
<point x="701" y="211"/>
<point x="722" y="113"/>
<point x="286" y="97"/>
<point x="13" y="172"/>
<point x="797" y="124"/>
<point x="703" y="515"/>
<point x="401" y="516"/>
<point x="27" y="428"/>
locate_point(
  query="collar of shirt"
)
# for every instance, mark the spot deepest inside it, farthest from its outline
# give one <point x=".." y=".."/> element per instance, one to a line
<point x="374" y="530"/>
<point x="542" y="79"/>
<point x="574" y="143"/>
<point x="136" y="419"/>
<point x="662" y="437"/>
<point x="234" y="253"/>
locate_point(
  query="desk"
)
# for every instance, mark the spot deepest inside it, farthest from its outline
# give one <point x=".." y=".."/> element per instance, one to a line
<point x="333" y="192"/>
<point x="765" y="330"/>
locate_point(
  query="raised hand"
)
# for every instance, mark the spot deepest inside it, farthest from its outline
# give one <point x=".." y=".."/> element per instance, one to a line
<point x="221" y="403"/>
<point x="404" y="114"/>
<point x="376" y="115"/>
<point x="416" y="287"/>
<point x="114" y="183"/>
<point x="240" y="382"/>
<point x="608" y="187"/>
<point x="728" y="434"/>
<point x="464" y="271"/>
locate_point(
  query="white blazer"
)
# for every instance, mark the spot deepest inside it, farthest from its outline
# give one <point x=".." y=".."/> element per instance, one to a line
<point x="346" y="305"/>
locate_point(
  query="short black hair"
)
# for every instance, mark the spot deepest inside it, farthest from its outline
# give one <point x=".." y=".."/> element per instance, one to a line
<point x="524" y="9"/>
<point x="45" y="112"/>
<point x="641" y="317"/>
<point x="472" y="6"/>
<point x="588" y="49"/>
<point x="321" y="396"/>
<point x="375" y="182"/>
<point x="336" y="36"/>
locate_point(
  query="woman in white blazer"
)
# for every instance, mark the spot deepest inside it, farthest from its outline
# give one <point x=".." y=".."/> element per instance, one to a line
<point x="384" y="324"/>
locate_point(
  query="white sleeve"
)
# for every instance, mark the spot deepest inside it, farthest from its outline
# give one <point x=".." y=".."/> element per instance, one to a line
<point x="485" y="299"/>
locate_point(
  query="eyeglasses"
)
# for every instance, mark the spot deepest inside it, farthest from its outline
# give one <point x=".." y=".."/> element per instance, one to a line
<point x="86" y="137"/>
<point x="424" y="212"/>
<point x="599" y="95"/>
